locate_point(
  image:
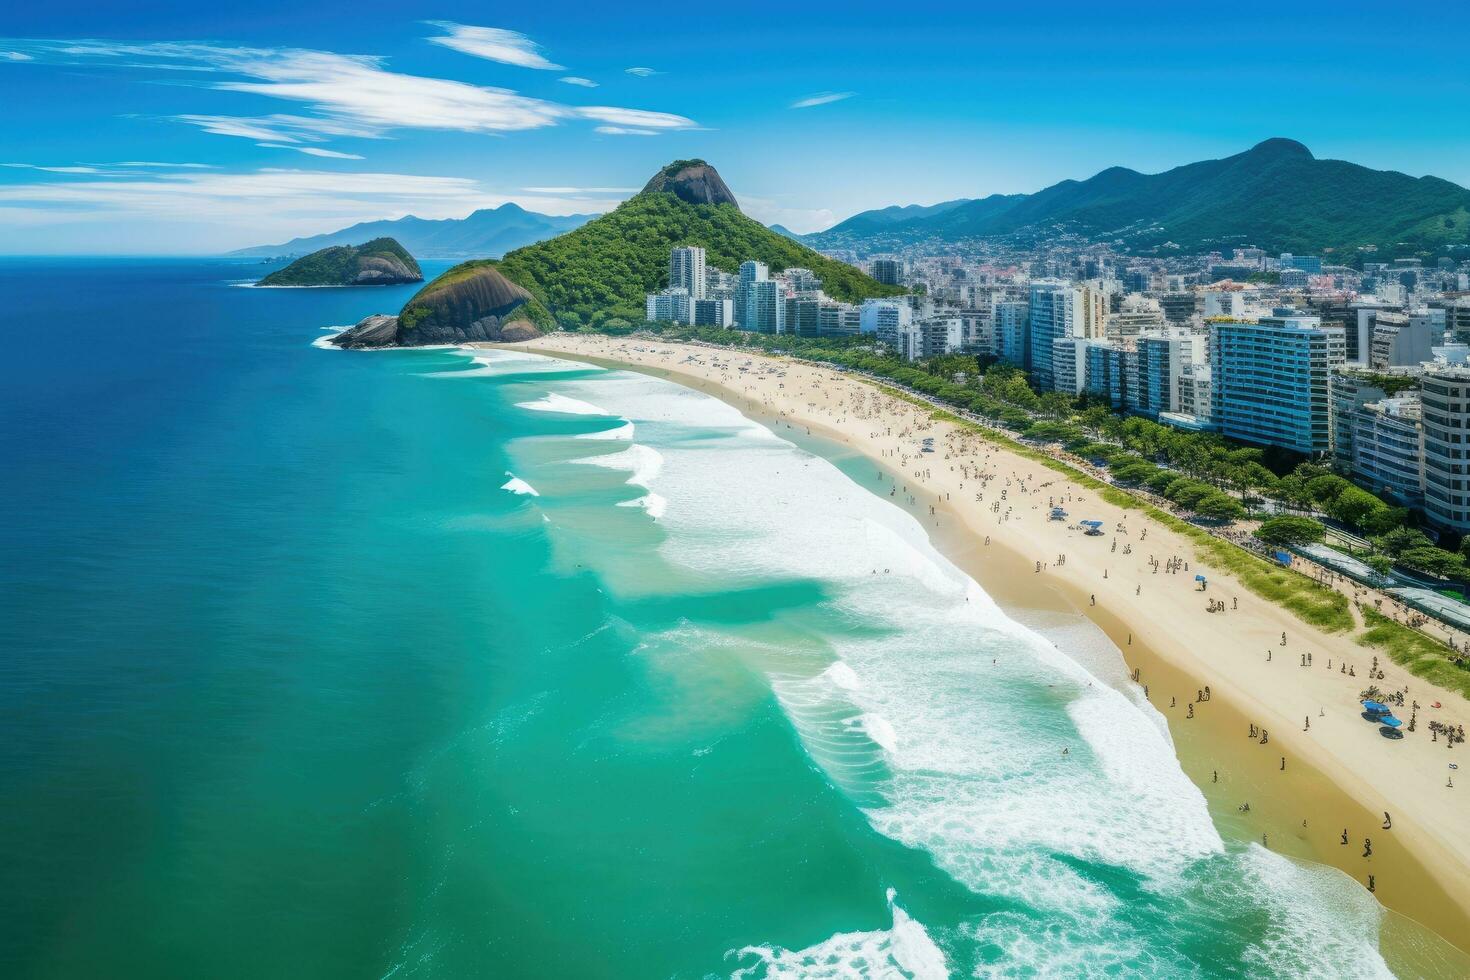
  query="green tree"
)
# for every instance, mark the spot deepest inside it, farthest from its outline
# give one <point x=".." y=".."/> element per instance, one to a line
<point x="1287" y="529"/>
<point x="1220" y="507"/>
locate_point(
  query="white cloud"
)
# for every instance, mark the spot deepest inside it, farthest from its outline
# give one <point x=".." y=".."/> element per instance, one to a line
<point x="821" y="98"/>
<point x="634" y="117"/>
<point x="351" y="95"/>
<point x="640" y="72"/>
<point x="155" y="163"/>
<point x="626" y="131"/>
<point x="53" y="170"/>
<point x="211" y="210"/>
<point x="493" y="44"/>
<point x="251" y="129"/>
<point x="579" y="80"/>
<point x="315" y="151"/>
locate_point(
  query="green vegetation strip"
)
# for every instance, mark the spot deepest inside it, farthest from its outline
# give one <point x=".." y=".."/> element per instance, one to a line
<point x="1421" y="655"/>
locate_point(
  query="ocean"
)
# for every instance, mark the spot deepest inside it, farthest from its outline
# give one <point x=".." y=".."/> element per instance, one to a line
<point x="439" y="663"/>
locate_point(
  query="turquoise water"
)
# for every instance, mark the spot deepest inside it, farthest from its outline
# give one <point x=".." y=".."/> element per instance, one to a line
<point x="413" y="664"/>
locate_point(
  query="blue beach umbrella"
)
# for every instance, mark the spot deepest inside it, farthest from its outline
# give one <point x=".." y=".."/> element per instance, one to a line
<point x="1376" y="707"/>
<point x="1390" y="721"/>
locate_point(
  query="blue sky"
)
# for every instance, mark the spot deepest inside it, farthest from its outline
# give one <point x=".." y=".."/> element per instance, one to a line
<point x="189" y="127"/>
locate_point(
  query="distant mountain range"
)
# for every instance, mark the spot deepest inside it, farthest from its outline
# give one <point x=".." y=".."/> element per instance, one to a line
<point x="489" y="232"/>
<point x="1276" y="195"/>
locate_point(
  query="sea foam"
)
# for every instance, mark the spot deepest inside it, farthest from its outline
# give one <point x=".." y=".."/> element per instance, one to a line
<point x="959" y="732"/>
<point x="903" y="951"/>
<point x="561" y="404"/>
<point x="518" y="486"/>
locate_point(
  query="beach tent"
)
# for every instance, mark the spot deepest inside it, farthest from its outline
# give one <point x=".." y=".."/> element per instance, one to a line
<point x="1376" y="708"/>
<point x="1390" y="721"/>
<point x="1093" y="527"/>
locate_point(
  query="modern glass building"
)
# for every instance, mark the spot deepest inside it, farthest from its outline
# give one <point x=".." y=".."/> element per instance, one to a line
<point x="1272" y="381"/>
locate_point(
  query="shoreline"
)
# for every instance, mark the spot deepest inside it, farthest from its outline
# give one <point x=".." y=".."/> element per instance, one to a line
<point x="1339" y="773"/>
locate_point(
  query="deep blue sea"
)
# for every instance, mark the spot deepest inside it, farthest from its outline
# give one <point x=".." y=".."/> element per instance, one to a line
<point x="449" y="664"/>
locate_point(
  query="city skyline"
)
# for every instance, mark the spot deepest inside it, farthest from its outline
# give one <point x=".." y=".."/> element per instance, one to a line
<point x="165" y="133"/>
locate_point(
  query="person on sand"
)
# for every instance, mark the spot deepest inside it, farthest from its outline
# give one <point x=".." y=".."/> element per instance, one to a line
<point x="1367" y="847"/>
<point x="1344" y="835"/>
<point x="1387" y="821"/>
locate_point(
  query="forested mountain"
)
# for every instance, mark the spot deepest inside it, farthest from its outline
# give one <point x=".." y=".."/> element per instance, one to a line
<point x="1276" y="195"/>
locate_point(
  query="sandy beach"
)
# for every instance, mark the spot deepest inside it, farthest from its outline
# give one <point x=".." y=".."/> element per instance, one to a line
<point x="1313" y="770"/>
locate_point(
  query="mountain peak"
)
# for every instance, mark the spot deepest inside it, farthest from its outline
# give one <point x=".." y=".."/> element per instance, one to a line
<point x="693" y="181"/>
<point x="1279" y="146"/>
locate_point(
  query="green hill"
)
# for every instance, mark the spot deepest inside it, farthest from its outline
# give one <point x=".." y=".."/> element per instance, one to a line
<point x="380" y="262"/>
<point x="604" y="268"/>
<point x="1276" y="195"/>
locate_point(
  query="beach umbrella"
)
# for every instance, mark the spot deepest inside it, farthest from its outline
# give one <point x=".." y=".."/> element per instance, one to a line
<point x="1390" y="721"/>
<point x="1199" y="578"/>
<point x="1376" y="707"/>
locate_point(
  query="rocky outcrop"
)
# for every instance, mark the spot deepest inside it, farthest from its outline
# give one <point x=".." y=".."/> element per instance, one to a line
<point x="469" y="303"/>
<point x="383" y="270"/>
<point x="693" y="181"/>
<point x="378" y="330"/>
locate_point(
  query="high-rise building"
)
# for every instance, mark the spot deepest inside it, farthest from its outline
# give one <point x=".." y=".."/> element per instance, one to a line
<point x="885" y="314"/>
<point x="888" y="271"/>
<point x="1350" y="392"/>
<point x="1162" y="361"/>
<point x="1388" y="449"/>
<point x="750" y="272"/>
<point x="1445" y="396"/>
<point x="670" y="306"/>
<point x="1107" y="369"/>
<point x="1194" y="392"/>
<point x="1061" y="310"/>
<point x="714" y="312"/>
<point x="1400" y="340"/>
<point x="1069" y="364"/>
<point x="917" y="339"/>
<point x="1012" y="333"/>
<point x="687" y="270"/>
<point x="839" y="319"/>
<point x="1271" y="381"/>
<point x="804" y="313"/>
<point x="765" y="307"/>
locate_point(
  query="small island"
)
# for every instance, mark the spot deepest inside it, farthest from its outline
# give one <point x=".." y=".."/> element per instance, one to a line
<point x="380" y="262"/>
